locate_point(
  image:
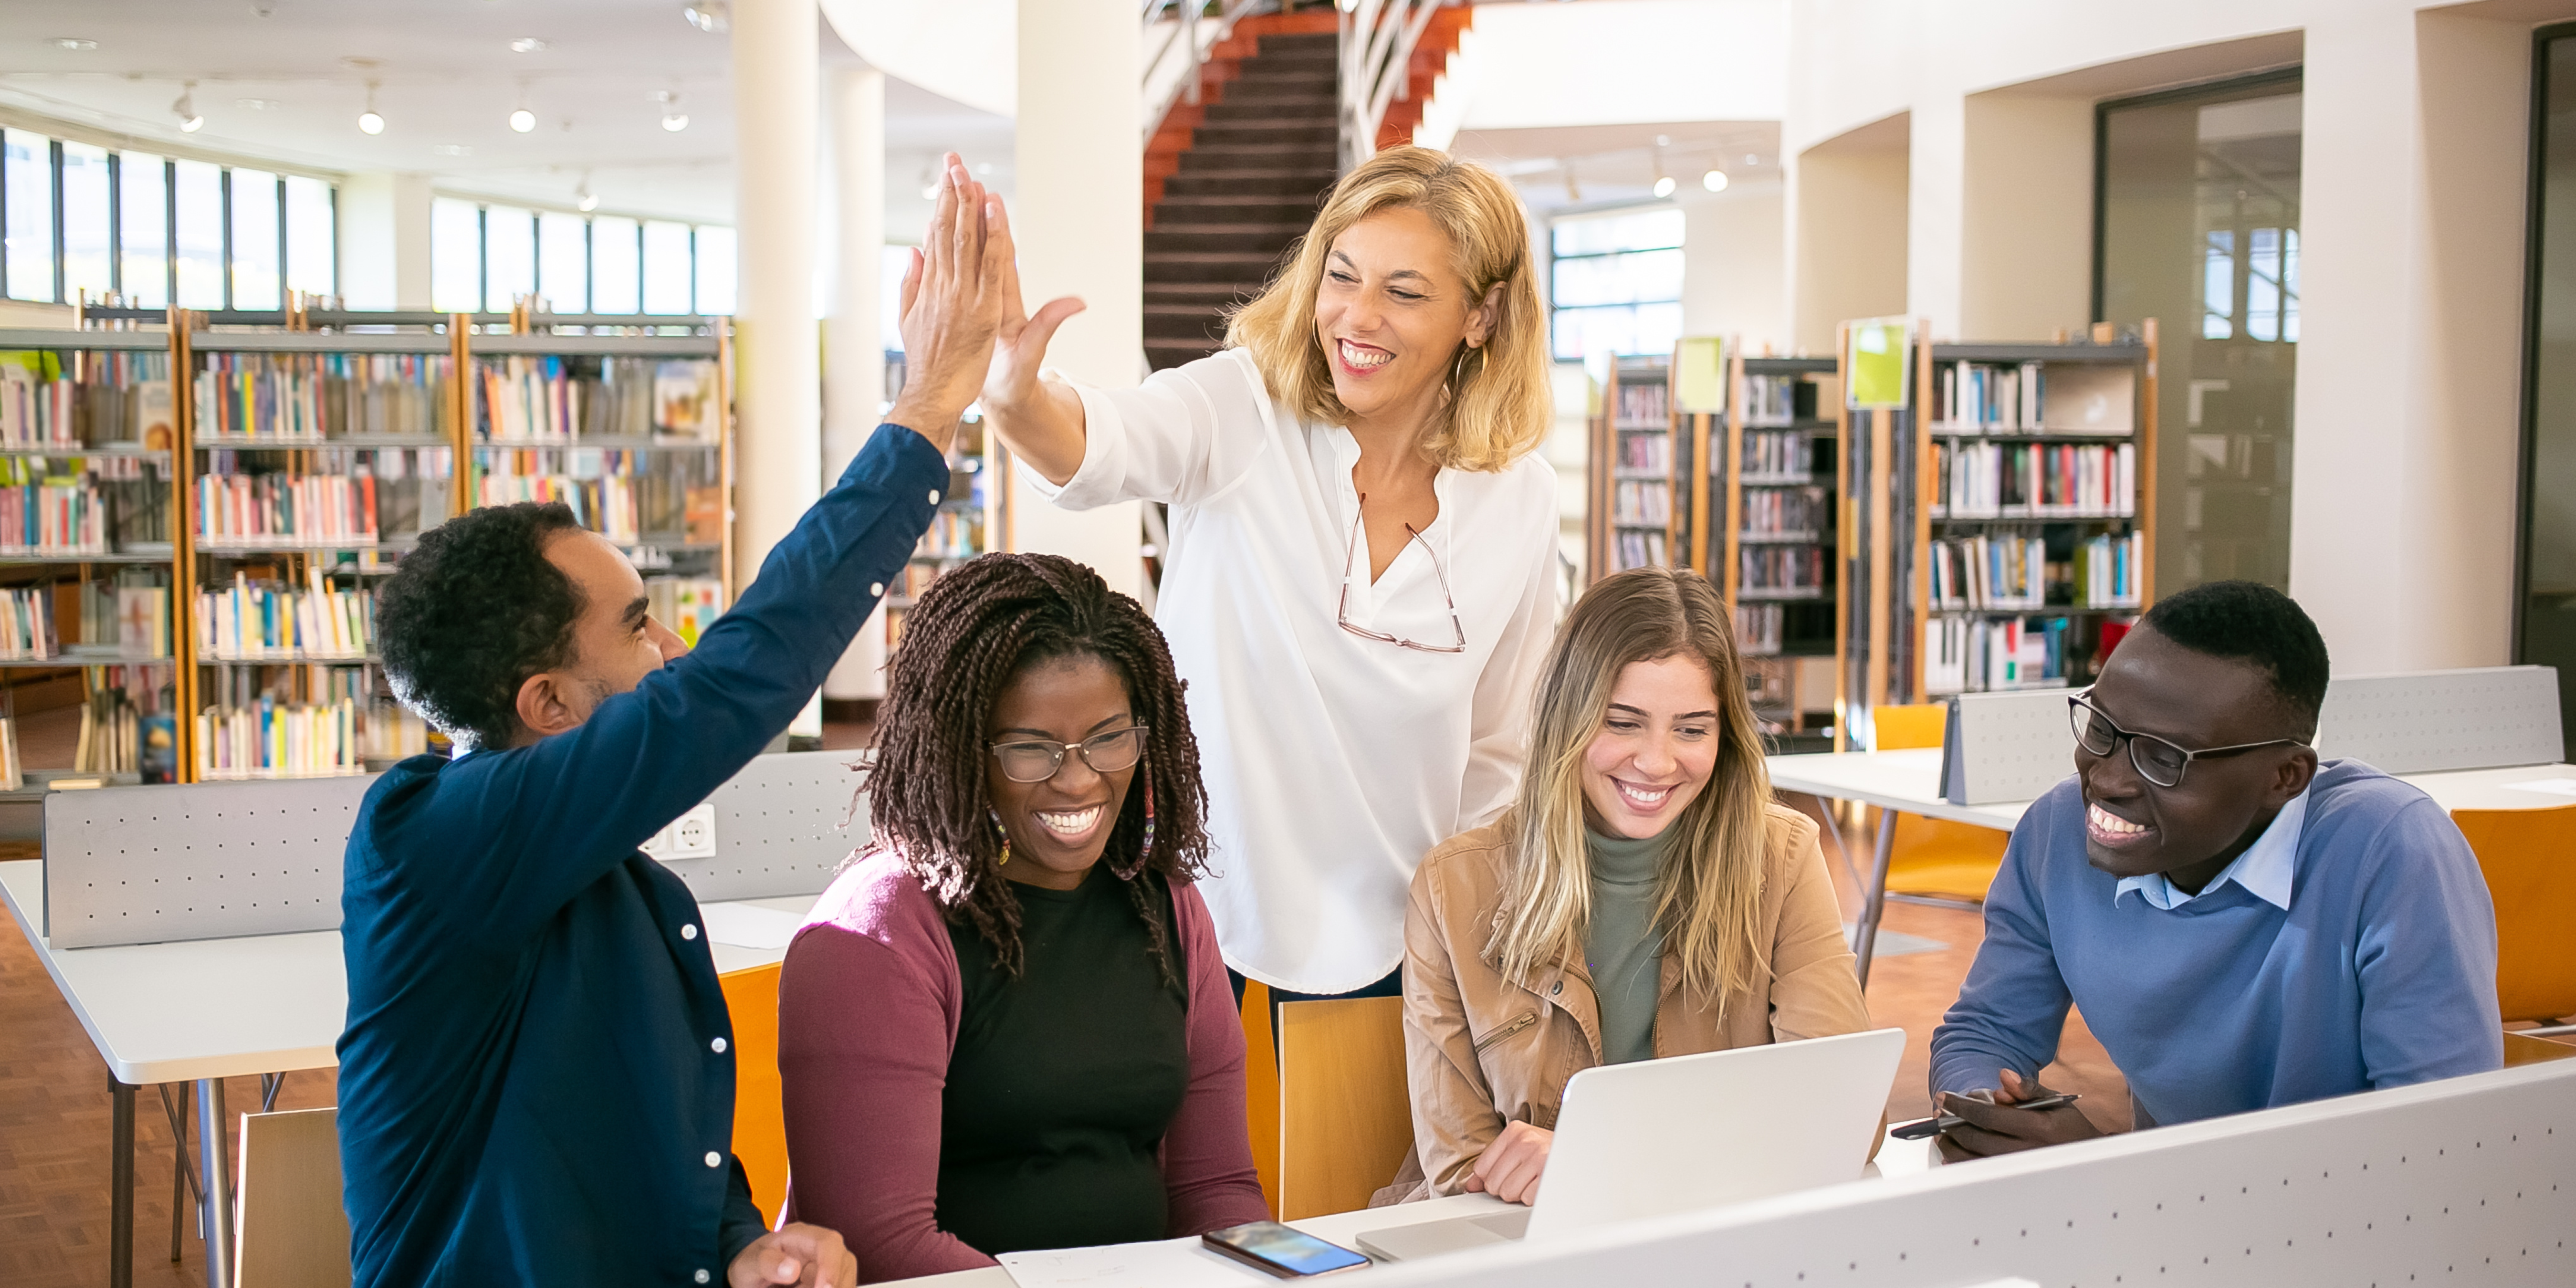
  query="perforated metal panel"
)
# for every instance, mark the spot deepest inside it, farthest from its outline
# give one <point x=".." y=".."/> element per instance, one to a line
<point x="2458" y="1183"/>
<point x="140" y="865"/>
<point x="137" y="865"/>
<point x="2007" y="747"/>
<point x="2429" y="721"/>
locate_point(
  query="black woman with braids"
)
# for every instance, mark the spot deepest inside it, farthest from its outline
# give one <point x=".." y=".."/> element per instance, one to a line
<point x="1006" y="1026"/>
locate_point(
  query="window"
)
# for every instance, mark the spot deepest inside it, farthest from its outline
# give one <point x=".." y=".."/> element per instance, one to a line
<point x="2545" y="600"/>
<point x="200" y="195"/>
<point x="563" y="261"/>
<point x="667" y="270"/>
<point x="1615" y="282"/>
<point x="143" y="229"/>
<point x="86" y="265"/>
<point x="576" y="263"/>
<point x="509" y="257"/>
<point x="27" y="208"/>
<point x="715" y="250"/>
<point x="257" y="242"/>
<point x="455" y="256"/>
<point x="312" y="238"/>
<point x="2199" y="201"/>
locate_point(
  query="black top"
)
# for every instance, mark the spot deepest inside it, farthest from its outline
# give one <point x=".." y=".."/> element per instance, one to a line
<point x="1064" y="1079"/>
<point x="536" y="1077"/>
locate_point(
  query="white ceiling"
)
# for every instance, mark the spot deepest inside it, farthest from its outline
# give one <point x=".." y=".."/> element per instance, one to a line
<point x="1560" y="170"/>
<point x="280" y="81"/>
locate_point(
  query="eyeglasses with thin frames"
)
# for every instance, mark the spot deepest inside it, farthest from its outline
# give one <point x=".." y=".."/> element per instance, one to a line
<point x="2160" y="761"/>
<point x="1342" y="616"/>
<point x="1035" y="760"/>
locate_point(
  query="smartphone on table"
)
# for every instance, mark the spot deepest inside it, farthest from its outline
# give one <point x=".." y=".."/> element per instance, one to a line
<point x="1275" y="1249"/>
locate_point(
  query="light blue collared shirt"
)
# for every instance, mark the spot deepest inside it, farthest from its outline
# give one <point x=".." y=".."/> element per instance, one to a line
<point x="2264" y="869"/>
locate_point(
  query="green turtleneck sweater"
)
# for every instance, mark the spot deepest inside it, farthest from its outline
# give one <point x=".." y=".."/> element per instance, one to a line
<point x="1623" y="947"/>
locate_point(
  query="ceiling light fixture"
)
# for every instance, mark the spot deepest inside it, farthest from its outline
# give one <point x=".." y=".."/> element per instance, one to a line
<point x="521" y="119"/>
<point x="583" y="197"/>
<point x="1664" y="184"/>
<point x="185" y="108"/>
<point x="77" y="44"/>
<point x="1714" y="180"/>
<point x="257" y="104"/>
<point x="453" y="150"/>
<point x="1573" y="190"/>
<point x="528" y="45"/>
<point x="714" y="17"/>
<point x="368" y="121"/>
<point x="673" y="119"/>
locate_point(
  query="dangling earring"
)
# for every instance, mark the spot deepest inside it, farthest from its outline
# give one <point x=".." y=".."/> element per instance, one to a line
<point x="1145" y="780"/>
<point x="1005" y="860"/>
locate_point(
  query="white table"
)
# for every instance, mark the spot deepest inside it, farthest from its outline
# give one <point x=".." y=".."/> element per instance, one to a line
<point x="208" y="1009"/>
<point x="1910" y="782"/>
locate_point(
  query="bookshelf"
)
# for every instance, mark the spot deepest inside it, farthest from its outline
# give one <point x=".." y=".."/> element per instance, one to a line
<point x="2007" y="541"/>
<point x="973" y="507"/>
<point x="1773" y="475"/>
<point x="227" y="540"/>
<point x="1636" y="457"/>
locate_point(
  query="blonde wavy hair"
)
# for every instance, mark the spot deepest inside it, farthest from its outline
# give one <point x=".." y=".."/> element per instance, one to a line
<point x="1499" y="405"/>
<point x="1708" y="901"/>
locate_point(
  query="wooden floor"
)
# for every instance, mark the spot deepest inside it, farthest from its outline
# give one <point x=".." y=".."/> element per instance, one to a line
<point x="54" y="1105"/>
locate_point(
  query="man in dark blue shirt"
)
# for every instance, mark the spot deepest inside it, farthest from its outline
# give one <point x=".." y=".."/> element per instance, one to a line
<point x="537" y="1077"/>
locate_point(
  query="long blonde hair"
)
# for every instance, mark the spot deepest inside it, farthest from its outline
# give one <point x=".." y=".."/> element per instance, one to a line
<point x="1708" y="901"/>
<point x="1498" y="406"/>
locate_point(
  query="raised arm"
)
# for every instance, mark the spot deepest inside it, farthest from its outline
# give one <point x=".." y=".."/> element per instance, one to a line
<point x="1040" y="420"/>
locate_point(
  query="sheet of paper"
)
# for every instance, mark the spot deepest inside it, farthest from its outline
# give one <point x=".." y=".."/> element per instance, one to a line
<point x="1168" y="1263"/>
<point x="744" y="926"/>
<point x="2547" y="786"/>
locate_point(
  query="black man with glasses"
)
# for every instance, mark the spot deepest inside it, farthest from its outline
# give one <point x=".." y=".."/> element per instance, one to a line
<point x="2242" y="925"/>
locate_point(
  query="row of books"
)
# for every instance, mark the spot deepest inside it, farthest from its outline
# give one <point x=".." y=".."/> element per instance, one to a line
<point x="1758" y="629"/>
<point x="560" y="399"/>
<point x="1650" y="452"/>
<point x="121" y="398"/>
<point x="273" y="739"/>
<point x="1983" y="655"/>
<point x="255" y="621"/>
<point x="603" y="505"/>
<point x="27" y="623"/>
<point x="1780" y="572"/>
<point x="2033" y="398"/>
<point x="311" y="397"/>
<point x="1771" y="400"/>
<point x="121" y="735"/>
<point x="954" y="534"/>
<point x="1786" y="512"/>
<point x="2034" y="480"/>
<point x="321" y="511"/>
<point x="686" y="605"/>
<point x="129" y="613"/>
<point x="1633" y="501"/>
<point x="1773" y="454"/>
<point x="1990" y="572"/>
<point x="57" y="517"/>
<point x="1638" y="548"/>
<point x="1642" y="404"/>
<point x="2107" y="570"/>
<point x="36" y="411"/>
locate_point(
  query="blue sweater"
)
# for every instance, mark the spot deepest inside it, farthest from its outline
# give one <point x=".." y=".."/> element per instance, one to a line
<point x="537" y="1077"/>
<point x="2380" y="973"/>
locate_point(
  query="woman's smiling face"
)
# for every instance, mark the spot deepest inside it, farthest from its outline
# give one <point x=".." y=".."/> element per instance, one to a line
<point x="1391" y="311"/>
<point x="1058" y="828"/>
<point x="1656" y="748"/>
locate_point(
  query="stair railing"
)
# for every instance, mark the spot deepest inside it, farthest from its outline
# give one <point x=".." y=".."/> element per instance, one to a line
<point x="1377" y="39"/>
<point x="1191" y="33"/>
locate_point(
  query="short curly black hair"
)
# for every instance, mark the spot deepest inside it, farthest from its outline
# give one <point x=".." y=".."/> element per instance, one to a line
<point x="473" y="611"/>
<point x="2248" y="621"/>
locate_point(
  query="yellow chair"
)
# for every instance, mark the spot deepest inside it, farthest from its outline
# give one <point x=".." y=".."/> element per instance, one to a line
<point x="759" y="1116"/>
<point x="292" y="1232"/>
<point x="2524" y="853"/>
<point x="1932" y="857"/>
<point x="1261" y="1089"/>
<point x="1345" y="1122"/>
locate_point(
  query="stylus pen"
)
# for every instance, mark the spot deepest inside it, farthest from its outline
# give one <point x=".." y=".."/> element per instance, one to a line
<point x="1928" y="1127"/>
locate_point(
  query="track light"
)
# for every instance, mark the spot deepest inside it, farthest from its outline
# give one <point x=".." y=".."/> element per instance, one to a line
<point x="1714" y="180"/>
<point x="1664" y="186"/>
<point x="673" y="119"/>
<point x="368" y="121"/>
<point x="523" y="120"/>
<point x="185" y="108"/>
<point x="714" y="17"/>
<point x="583" y="197"/>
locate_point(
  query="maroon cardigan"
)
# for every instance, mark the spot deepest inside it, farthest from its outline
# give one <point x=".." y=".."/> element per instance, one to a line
<point x="868" y="1005"/>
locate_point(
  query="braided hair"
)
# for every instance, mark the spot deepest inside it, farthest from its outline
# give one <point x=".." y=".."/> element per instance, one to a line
<point x="973" y="631"/>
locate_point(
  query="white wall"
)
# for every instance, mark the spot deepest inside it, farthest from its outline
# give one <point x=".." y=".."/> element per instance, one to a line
<point x="1734" y="281"/>
<point x="383" y="227"/>
<point x="1619" y="62"/>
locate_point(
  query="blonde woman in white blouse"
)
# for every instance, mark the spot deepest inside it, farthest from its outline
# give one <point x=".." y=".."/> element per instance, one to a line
<point x="1360" y="583"/>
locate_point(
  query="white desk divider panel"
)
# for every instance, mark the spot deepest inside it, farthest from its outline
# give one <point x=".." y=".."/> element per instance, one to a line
<point x="2001" y="747"/>
<point x="2428" y="721"/>
<point x="2470" y="1181"/>
<point x="139" y="865"/>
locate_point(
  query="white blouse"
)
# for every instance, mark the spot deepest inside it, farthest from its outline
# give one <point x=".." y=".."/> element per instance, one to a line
<point x="1332" y="762"/>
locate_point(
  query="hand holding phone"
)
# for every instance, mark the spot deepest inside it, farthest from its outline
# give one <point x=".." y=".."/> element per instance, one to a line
<point x="1275" y="1249"/>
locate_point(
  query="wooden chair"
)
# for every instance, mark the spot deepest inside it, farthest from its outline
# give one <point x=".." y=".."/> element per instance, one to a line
<point x="1261" y="1089"/>
<point x="1934" y="858"/>
<point x="2525" y="855"/>
<point x="292" y="1232"/>
<point x="1345" y="1119"/>
<point x="759" y="1116"/>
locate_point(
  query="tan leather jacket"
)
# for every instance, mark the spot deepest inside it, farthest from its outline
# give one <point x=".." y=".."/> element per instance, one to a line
<point x="1483" y="1049"/>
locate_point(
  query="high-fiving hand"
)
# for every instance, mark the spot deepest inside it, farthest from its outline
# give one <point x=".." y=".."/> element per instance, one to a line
<point x="964" y="330"/>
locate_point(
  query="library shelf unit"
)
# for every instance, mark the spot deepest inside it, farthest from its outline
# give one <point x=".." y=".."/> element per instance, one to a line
<point x="303" y="454"/>
<point x="1637" y="474"/>
<point x="972" y="510"/>
<point x="1773" y="475"/>
<point x="2010" y="517"/>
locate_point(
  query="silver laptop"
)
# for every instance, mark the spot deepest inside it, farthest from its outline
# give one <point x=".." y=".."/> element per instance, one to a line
<point x="1693" y="1132"/>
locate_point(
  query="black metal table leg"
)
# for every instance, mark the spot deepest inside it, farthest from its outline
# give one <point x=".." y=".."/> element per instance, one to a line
<point x="120" y="1199"/>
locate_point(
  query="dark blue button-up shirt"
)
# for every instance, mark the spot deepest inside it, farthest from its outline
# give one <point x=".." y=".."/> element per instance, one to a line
<point x="532" y="1090"/>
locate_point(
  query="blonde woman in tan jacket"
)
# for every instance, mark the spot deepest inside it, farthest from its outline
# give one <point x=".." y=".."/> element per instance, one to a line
<point x="1643" y="897"/>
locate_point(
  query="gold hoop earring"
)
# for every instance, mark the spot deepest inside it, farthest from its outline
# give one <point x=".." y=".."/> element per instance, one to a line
<point x="1000" y="831"/>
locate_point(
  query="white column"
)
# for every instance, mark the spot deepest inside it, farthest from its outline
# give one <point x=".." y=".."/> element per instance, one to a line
<point x="1079" y="217"/>
<point x="384" y="241"/>
<point x="853" y="349"/>
<point x="1936" y="142"/>
<point x="778" y="390"/>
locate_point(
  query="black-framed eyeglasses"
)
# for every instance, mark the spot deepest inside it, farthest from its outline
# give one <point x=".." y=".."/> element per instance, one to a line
<point x="1035" y="760"/>
<point x="2159" y="761"/>
<point x="1342" y="615"/>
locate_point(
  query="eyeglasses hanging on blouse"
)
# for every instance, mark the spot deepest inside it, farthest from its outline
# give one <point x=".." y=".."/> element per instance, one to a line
<point x="1343" y="616"/>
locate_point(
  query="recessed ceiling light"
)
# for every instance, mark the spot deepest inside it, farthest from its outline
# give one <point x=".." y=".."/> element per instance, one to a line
<point x="74" y="43"/>
<point x="257" y="104"/>
<point x="711" y="16"/>
<point x="528" y="45"/>
<point x="453" y="150"/>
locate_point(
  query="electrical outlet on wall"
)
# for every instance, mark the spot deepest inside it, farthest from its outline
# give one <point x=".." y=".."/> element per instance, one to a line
<point x="690" y="836"/>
